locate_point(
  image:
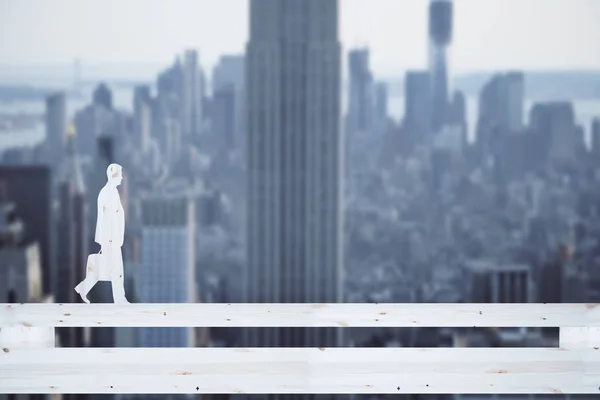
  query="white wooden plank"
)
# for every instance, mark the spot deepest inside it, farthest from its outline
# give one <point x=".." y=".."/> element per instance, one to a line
<point x="579" y="337"/>
<point x="24" y="336"/>
<point x="300" y="370"/>
<point x="297" y="315"/>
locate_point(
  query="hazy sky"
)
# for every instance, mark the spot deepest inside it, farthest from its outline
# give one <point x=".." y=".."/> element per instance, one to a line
<point x="489" y="34"/>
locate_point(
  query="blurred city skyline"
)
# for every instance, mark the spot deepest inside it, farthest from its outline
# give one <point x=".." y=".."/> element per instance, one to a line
<point x="360" y="151"/>
<point x="488" y="35"/>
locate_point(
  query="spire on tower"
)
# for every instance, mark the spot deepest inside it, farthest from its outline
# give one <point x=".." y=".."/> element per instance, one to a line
<point x="72" y="168"/>
<point x="71" y="130"/>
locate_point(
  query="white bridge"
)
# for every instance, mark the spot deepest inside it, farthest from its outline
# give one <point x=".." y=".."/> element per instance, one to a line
<point x="30" y="362"/>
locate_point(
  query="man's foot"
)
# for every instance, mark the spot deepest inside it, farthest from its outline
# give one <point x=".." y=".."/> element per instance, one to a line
<point x="83" y="295"/>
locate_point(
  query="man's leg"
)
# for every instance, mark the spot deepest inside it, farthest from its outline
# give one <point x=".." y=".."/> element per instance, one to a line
<point x="91" y="278"/>
<point x="118" y="279"/>
<point x="84" y="288"/>
<point x="118" y="289"/>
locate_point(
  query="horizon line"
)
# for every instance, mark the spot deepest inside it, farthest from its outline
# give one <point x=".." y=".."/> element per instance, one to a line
<point x="401" y="70"/>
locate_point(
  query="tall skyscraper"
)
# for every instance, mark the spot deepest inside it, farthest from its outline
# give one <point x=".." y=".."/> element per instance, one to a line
<point x="380" y="108"/>
<point x="417" y="107"/>
<point x="595" y="145"/>
<point x="71" y="236"/>
<point x="142" y="118"/>
<point x="29" y="187"/>
<point x="168" y="112"/>
<point x="563" y="140"/>
<point x="360" y="99"/>
<point x="20" y="272"/>
<point x="102" y="96"/>
<point x="294" y="236"/>
<point x="501" y="101"/>
<point x="56" y="127"/>
<point x="170" y="81"/>
<point x="168" y="257"/>
<point x="500" y="112"/>
<point x="192" y="94"/>
<point x="96" y="119"/>
<point x="515" y="99"/>
<point x="228" y="79"/>
<point x="493" y="282"/>
<point x="440" y="36"/>
<point x="229" y="71"/>
<point x="224" y="115"/>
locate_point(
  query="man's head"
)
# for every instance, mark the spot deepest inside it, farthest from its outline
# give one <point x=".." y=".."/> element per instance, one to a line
<point x="114" y="173"/>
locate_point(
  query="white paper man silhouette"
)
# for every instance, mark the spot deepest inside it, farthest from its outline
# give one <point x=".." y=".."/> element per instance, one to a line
<point x="110" y="232"/>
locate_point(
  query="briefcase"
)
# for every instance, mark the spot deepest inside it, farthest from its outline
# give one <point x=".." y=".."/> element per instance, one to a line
<point x="99" y="267"/>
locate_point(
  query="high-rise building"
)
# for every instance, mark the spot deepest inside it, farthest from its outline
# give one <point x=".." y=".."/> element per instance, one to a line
<point x="515" y="100"/>
<point x="98" y="118"/>
<point x="228" y="80"/>
<point x="56" y="127"/>
<point x="192" y="94"/>
<point x="71" y="237"/>
<point x="106" y="148"/>
<point x="359" y="122"/>
<point x="294" y="166"/>
<point x="167" y="264"/>
<point x="457" y="114"/>
<point x="102" y="96"/>
<point x="229" y="71"/>
<point x="417" y="111"/>
<point x="170" y="81"/>
<point x="224" y="116"/>
<point x="440" y="36"/>
<point x="142" y="117"/>
<point x="29" y="188"/>
<point x="501" y="101"/>
<point x="170" y="139"/>
<point x="360" y="100"/>
<point x="491" y="282"/>
<point x="20" y="272"/>
<point x="168" y="112"/>
<point x="563" y="141"/>
<point x="500" y="112"/>
<point x="595" y="147"/>
<point x="380" y="108"/>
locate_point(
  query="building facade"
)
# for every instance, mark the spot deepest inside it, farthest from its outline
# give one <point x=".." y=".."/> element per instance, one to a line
<point x="167" y="264"/>
<point x="29" y="188"/>
<point x="440" y="36"/>
<point x="294" y="232"/>
<point x="56" y="126"/>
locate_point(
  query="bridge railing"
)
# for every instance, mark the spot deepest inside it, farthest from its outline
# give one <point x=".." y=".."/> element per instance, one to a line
<point x="30" y="363"/>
